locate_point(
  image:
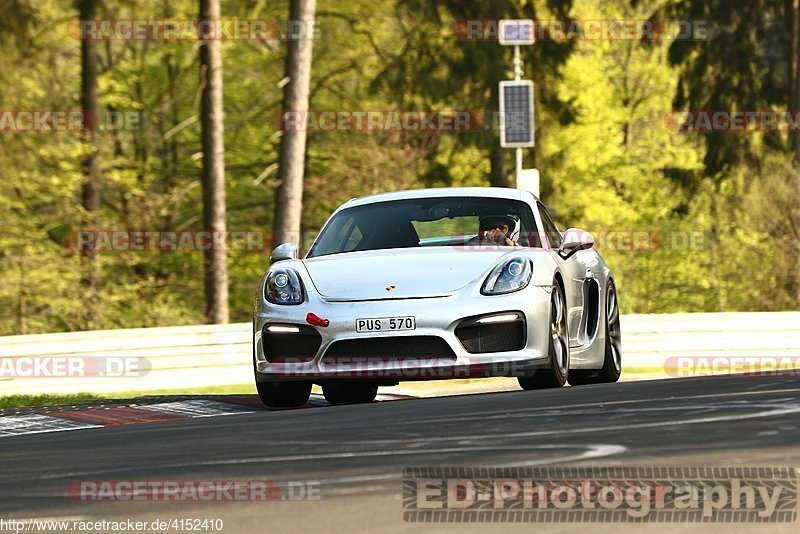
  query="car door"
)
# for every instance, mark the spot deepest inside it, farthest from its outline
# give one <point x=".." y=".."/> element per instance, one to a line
<point x="580" y="282"/>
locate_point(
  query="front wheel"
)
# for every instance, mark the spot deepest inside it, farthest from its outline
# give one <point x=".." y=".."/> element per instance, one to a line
<point x="612" y="364"/>
<point x="612" y="361"/>
<point x="283" y="394"/>
<point x="556" y="375"/>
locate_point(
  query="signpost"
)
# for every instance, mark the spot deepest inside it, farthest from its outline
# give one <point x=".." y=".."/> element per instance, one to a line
<point x="517" y="125"/>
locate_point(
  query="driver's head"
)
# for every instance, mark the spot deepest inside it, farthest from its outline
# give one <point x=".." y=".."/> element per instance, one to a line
<point x="497" y="222"/>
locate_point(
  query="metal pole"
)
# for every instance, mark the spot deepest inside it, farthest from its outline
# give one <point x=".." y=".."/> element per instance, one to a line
<point x="518" y="77"/>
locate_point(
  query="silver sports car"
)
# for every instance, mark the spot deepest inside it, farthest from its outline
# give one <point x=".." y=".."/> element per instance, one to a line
<point x="435" y="284"/>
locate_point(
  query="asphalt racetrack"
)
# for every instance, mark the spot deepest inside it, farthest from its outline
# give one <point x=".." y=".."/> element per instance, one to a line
<point x="354" y="455"/>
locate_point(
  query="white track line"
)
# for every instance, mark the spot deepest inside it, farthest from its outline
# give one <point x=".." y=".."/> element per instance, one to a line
<point x="791" y="409"/>
<point x="198" y="408"/>
<point x="17" y="425"/>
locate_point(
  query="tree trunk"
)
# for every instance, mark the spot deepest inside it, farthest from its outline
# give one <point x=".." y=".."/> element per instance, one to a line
<point x="794" y="63"/>
<point x="289" y="199"/>
<point x="213" y="177"/>
<point x="90" y="189"/>
<point x="497" y="169"/>
<point x="794" y="102"/>
<point x="22" y="303"/>
<point x="497" y="68"/>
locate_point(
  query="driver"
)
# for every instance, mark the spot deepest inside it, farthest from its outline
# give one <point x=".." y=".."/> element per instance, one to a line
<point x="495" y="229"/>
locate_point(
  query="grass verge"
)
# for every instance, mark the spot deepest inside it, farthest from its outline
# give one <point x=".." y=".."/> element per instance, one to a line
<point x="17" y="401"/>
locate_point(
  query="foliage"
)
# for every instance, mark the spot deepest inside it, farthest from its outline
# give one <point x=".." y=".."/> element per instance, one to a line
<point x="609" y="163"/>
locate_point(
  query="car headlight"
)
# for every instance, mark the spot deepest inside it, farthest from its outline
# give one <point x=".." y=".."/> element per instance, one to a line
<point x="509" y="276"/>
<point x="284" y="287"/>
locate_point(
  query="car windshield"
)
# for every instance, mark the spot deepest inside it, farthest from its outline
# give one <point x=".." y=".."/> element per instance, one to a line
<point x="424" y="222"/>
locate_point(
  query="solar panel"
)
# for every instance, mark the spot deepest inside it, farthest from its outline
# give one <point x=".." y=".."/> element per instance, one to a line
<point x="516" y="114"/>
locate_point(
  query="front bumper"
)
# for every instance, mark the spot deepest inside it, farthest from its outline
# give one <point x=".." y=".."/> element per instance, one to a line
<point x="437" y="317"/>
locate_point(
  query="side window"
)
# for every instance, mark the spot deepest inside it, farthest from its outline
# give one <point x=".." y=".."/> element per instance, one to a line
<point x="529" y="235"/>
<point x="550" y="228"/>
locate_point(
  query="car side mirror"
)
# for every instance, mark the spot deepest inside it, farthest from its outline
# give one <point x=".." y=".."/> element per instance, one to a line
<point x="286" y="251"/>
<point x="574" y="240"/>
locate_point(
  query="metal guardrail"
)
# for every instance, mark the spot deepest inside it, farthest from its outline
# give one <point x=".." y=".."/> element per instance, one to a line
<point x="191" y="357"/>
<point x="180" y="357"/>
<point x="650" y="340"/>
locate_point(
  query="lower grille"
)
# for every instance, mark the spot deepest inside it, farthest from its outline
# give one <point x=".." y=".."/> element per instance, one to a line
<point x="391" y="348"/>
<point x="290" y="347"/>
<point x="491" y="337"/>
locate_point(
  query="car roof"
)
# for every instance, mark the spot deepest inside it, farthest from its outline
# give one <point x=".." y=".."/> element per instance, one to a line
<point x="480" y="192"/>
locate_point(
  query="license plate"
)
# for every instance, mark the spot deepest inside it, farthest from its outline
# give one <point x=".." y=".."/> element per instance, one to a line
<point x="386" y="324"/>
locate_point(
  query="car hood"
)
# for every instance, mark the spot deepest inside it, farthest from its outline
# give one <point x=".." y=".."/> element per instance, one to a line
<point x="400" y="273"/>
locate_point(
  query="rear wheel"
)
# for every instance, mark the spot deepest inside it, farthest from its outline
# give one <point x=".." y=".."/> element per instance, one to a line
<point x="612" y="362"/>
<point x="283" y="394"/>
<point x="556" y="375"/>
<point x="349" y="391"/>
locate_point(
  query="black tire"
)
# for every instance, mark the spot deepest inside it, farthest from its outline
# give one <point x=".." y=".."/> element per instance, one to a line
<point x="582" y="377"/>
<point x="612" y="362"/>
<point x="349" y="391"/>
<point x="556" y="375"/>
<point x="283" y="394"/>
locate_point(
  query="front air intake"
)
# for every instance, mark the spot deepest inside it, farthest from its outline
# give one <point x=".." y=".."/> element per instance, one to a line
<point x="289" y="343"/>
<point x="500" y="332"/>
